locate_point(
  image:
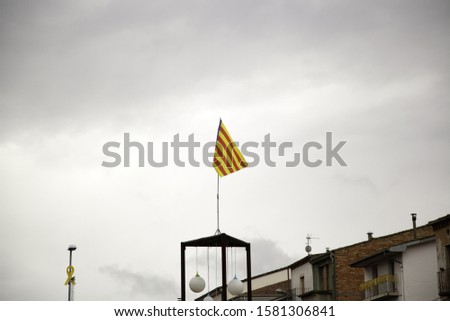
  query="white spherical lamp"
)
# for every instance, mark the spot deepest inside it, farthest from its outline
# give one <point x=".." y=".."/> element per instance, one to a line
<point x="197" y="284"/>
<point x="235" y="286"/>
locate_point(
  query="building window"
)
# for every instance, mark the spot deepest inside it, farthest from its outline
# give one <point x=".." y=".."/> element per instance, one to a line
<point x="302" y="284"/>
<point x="392" y="286"/>
<point x="374" y="276"/>
<point x="447" y="256"/>
<point x="324" y="277"/>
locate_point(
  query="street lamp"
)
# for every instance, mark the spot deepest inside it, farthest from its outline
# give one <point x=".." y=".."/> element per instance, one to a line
<point x="70" y="270"/>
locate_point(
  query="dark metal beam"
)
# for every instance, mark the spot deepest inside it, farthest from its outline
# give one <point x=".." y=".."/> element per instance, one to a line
<point x="224" y="273"/>
<point x="183" y="272"/>
<point x="249" y="274"/>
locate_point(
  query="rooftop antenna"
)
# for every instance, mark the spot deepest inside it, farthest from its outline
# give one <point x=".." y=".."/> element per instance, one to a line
<point x="308" y="247"/>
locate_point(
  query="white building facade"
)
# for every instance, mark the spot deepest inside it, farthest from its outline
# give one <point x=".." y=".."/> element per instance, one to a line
<point x="403" y="272"/>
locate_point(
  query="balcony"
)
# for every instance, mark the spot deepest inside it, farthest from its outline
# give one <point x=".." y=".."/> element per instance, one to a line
<point x="300" y="291"/>
<point x="383" y="287"/>
<point x="443" y="278"/>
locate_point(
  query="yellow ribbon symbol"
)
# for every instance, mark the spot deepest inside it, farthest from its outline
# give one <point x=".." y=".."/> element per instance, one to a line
<point x="70" y="271"/>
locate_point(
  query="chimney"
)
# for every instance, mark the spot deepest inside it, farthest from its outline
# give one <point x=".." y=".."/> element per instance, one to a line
<point x="369" y="236"/>
<point x="414" y="218"/>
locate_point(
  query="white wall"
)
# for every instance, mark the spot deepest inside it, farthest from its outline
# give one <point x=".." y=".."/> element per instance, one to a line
<point x="419" y="272"/>
<point x="399" y="273"/>
<point x="265" y="280"/>
<point x="269" y="279"/>
<point x="417" y="280"/>
<point x="303" y="270"/>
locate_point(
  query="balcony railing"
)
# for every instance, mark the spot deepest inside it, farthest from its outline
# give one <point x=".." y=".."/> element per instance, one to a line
<point x="444" y="282"/>
<point x="301" y="291"/>
<point x="382" y="286"/>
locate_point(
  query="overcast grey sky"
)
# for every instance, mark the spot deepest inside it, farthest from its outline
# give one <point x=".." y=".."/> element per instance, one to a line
<point x="77" y="74"/>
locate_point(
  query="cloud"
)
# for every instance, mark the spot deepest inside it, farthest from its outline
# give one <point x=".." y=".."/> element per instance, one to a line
<point x="93" y="65"/>
<point x="139" y="286"/>
<point x="267" y="256"/>
<point x="77" y="74"/>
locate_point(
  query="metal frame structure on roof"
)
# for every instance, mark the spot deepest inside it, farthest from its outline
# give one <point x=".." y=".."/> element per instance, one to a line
<point x="223" y="241"/>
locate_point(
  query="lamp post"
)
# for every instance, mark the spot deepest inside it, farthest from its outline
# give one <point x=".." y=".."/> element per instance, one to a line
<point x="70" y="271"/>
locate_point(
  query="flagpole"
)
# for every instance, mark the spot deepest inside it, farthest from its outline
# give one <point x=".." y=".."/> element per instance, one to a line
<point x="218" y="229"/>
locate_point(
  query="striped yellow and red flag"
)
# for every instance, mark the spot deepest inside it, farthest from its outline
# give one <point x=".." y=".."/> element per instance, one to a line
<point x="227" y="156"/>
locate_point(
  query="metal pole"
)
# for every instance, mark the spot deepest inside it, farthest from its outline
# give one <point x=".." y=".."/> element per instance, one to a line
<point x="249" y="274"/>
<point x="224" y="271"/>
<point x="70" y="282"/>
<point x="218" y="229"/>
<point x="70" y="274"/>
<point x="183" y="272"/>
